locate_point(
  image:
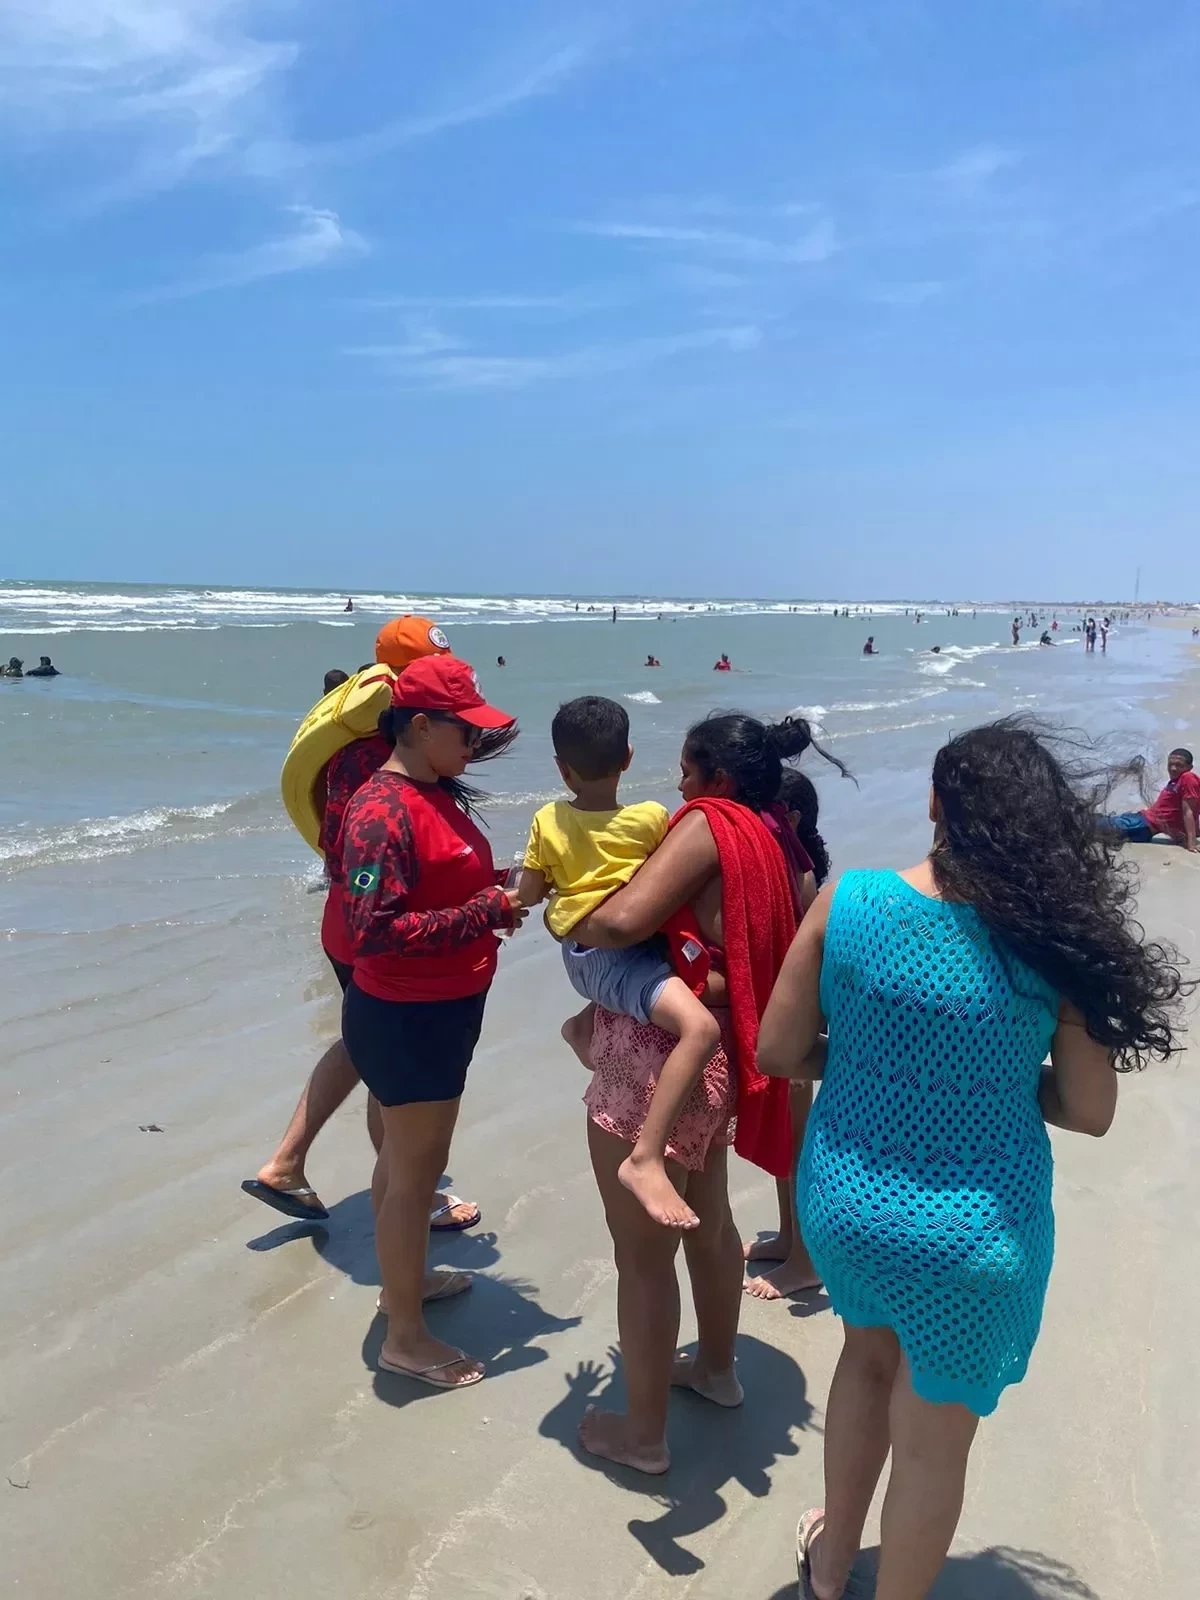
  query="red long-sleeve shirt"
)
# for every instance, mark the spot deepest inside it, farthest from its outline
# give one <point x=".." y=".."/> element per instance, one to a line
<point x="422" y="901"/>
<point x="345" y="775"/>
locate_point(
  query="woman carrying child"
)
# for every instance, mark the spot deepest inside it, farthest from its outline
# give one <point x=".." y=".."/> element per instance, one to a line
<point x="722" y="862"/>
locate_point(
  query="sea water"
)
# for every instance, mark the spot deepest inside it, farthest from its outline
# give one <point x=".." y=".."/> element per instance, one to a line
<point x="141" y="786"/>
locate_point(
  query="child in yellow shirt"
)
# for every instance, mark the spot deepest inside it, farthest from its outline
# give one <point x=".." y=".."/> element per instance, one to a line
<point x="579" y="852"/>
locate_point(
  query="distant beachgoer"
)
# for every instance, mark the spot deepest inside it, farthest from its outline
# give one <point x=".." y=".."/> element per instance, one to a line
<point x="1175" y="812"/>
<point x="1054" y="626"/>
<point x="423" y="911"/>
<point x="1089" y="634"/>
<point x="732" y="771"/>
<point x="1104" y="627"/>
<point x="1016" y="630"/>
<point x="796" y="1273"/>
<point x="926" y="1181"/>
<point x="653" y="661"/>
<point x="580" y="851"/>
<point x="723" y="665"/>
<point x="1046" y="639"/>
<point x="935" y="649"/>
<point x="14" y="669"/>
<point x="500" y="661"/>
<point x="334" y="679"/>
<point x="44" y="669"/>
<point x="281" y="1182"/>
<point x="869" y="648"/>
<point x="614" y="616"/>
<point x="349" y="606"/>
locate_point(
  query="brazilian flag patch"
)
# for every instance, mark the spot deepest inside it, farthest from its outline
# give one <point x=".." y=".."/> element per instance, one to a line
<point x="365" y="880"/>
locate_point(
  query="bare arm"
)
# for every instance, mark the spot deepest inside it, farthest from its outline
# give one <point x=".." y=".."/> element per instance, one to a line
<point x="672" y="877"/>
<point x="808" y="890"/>
<point x="1078" y="1091"/>
<point x="1189" y="825"/>
<point x="789" y="1035"/>
<point x="533" y="887"/>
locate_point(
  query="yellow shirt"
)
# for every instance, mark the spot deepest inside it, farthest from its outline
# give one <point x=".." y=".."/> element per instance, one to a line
<point x="585" y="855"/>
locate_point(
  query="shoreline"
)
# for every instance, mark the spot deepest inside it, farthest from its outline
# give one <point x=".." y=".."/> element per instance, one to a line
<point x="189" y="1402"/>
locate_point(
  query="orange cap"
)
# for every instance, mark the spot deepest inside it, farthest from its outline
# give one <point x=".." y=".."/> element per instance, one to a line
<point x="406" y="639"/>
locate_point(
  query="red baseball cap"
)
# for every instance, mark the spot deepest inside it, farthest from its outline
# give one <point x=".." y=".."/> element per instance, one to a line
<point x="444" y="683"/>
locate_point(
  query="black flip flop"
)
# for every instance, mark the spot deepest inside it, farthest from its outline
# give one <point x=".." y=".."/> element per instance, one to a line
<point x="286" y="1200"/>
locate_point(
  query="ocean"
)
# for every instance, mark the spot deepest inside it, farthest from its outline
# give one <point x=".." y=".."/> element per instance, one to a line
<point x="141" y="786"/>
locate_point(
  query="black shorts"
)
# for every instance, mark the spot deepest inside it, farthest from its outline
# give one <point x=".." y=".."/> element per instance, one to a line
<point x="411" y="1050"/>
<point x="341" y="971"/>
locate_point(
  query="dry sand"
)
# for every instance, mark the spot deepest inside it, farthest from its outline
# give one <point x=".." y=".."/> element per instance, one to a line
<point x="190" y="1406"/>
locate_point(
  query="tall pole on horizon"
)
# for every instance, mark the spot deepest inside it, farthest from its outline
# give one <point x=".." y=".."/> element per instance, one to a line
<point x="1137" y="586"/>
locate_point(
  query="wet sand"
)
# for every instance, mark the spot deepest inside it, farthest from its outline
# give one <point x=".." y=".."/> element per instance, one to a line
<point x="190" y="1406"/>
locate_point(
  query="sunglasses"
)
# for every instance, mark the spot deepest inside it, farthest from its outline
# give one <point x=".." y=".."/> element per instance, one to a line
<point x="470" y="734"/>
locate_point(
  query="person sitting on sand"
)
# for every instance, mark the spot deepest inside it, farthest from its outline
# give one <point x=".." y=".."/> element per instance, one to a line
<point x="926" y="1178"/>
<point x="1176" y="811"/>
<point x="725" y="863"/>
<point x="1046" y="639"/>
<point x="14" y="669"/>
<point x="579" y="852"/>
<point x="335" y="678"/>
<point x="44" y="669"/>
<point x="869" y="648"/>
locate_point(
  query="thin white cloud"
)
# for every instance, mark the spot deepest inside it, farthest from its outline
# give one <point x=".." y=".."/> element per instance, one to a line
<point x="427" y="360"/>
<point x="915" y="293"/>
<point x="171" y="85"/>
<point x="816" y="244"/>
<point x="317" y="239"/>
<point x="568" y="303"/>
<point x="972" y="170"/>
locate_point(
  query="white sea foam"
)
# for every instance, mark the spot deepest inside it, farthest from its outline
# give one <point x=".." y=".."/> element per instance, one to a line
<point x="93" y="837"/>
<point x="643" y="697"/>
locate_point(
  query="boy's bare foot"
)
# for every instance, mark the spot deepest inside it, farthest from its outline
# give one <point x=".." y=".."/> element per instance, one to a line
<point x="795" y="1276"/>
<point x="577" y="1032"/>
<point x="429" y="1355"/>
<point x="722" y="1388"/>
<point x="776" y="1248"/>
<point x="646" y="1179"/>
<point x="609" y="1434"/>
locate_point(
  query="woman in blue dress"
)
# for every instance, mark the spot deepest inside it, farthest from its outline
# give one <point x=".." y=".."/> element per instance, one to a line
<point x="924" y="1188"/>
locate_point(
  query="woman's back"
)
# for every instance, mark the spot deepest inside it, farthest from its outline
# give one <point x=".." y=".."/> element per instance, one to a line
<point x="927" y="1168"/>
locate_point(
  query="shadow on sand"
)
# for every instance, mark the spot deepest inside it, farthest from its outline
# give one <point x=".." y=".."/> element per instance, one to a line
<point x="710" y="1447"/>
<point x="997" y="1574"/>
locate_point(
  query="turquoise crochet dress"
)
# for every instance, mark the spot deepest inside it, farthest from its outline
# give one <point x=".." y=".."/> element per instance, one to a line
<point x="924" y="1185"/>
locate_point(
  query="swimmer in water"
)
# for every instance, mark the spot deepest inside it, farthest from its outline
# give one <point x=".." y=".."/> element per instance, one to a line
<point x="349" y="606"/>
<point x="723" y="665"/>
<point x="500" y="661"/>
<point x="653" y="661"/>
<point x="334" y="679"/>
<point x="44" y="669"/>
<point x="869" y="648"/>
<point x="13" y="669"/>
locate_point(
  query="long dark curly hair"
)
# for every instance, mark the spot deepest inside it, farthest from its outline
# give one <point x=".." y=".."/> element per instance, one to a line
<point x="751" y="753"/>
<point x="798" y="796"/>
<point x="1020" y="838"/>
<point x="492" y="742"/>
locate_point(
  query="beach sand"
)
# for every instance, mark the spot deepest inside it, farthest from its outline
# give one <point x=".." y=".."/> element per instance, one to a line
<point x="190" y="1406"/>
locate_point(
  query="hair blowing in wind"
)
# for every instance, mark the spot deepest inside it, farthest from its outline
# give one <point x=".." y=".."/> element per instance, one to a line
<point x="1020" y="841"/>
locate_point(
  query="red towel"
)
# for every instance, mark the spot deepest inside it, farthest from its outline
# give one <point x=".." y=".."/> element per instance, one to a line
<point x="759" y="923"/>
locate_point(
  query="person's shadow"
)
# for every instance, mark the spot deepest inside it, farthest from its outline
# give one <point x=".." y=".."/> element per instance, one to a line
<point x="496" y="1321"/>
<point x="997" y="1574"/>
<point x="710" y="1446"/>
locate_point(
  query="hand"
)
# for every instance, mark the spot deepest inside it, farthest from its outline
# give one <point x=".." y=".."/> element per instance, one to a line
<point x="517" y="911"/>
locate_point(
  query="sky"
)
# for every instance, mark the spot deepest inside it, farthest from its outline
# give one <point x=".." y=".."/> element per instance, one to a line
<point x="738" y="297"/>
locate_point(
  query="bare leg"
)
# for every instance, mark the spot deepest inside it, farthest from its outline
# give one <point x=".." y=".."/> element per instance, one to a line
<point x="647" y="1318"/>
<point x="333" y="1078"/>
<point x="577" y="1032"/>
<point x="797" y="1272"/>
<point x="416" y="1145"/>
<point x="856" y="1447"/>
<point x="713" y="1253"/>
<point x="930" y="1447"/>
<point x="644" y="1173"/>
<point x="374" y="1123"/>
<point x="779" y="1246"/>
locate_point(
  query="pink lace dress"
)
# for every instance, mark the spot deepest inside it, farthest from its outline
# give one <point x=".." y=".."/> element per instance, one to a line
<point x="627" y="1056"/>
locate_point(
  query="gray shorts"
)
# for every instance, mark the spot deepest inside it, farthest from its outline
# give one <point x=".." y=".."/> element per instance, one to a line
<point x="628" y="982"/>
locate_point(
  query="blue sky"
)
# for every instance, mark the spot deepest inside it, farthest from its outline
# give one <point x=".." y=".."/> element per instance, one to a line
<point x="706" y="296"/>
